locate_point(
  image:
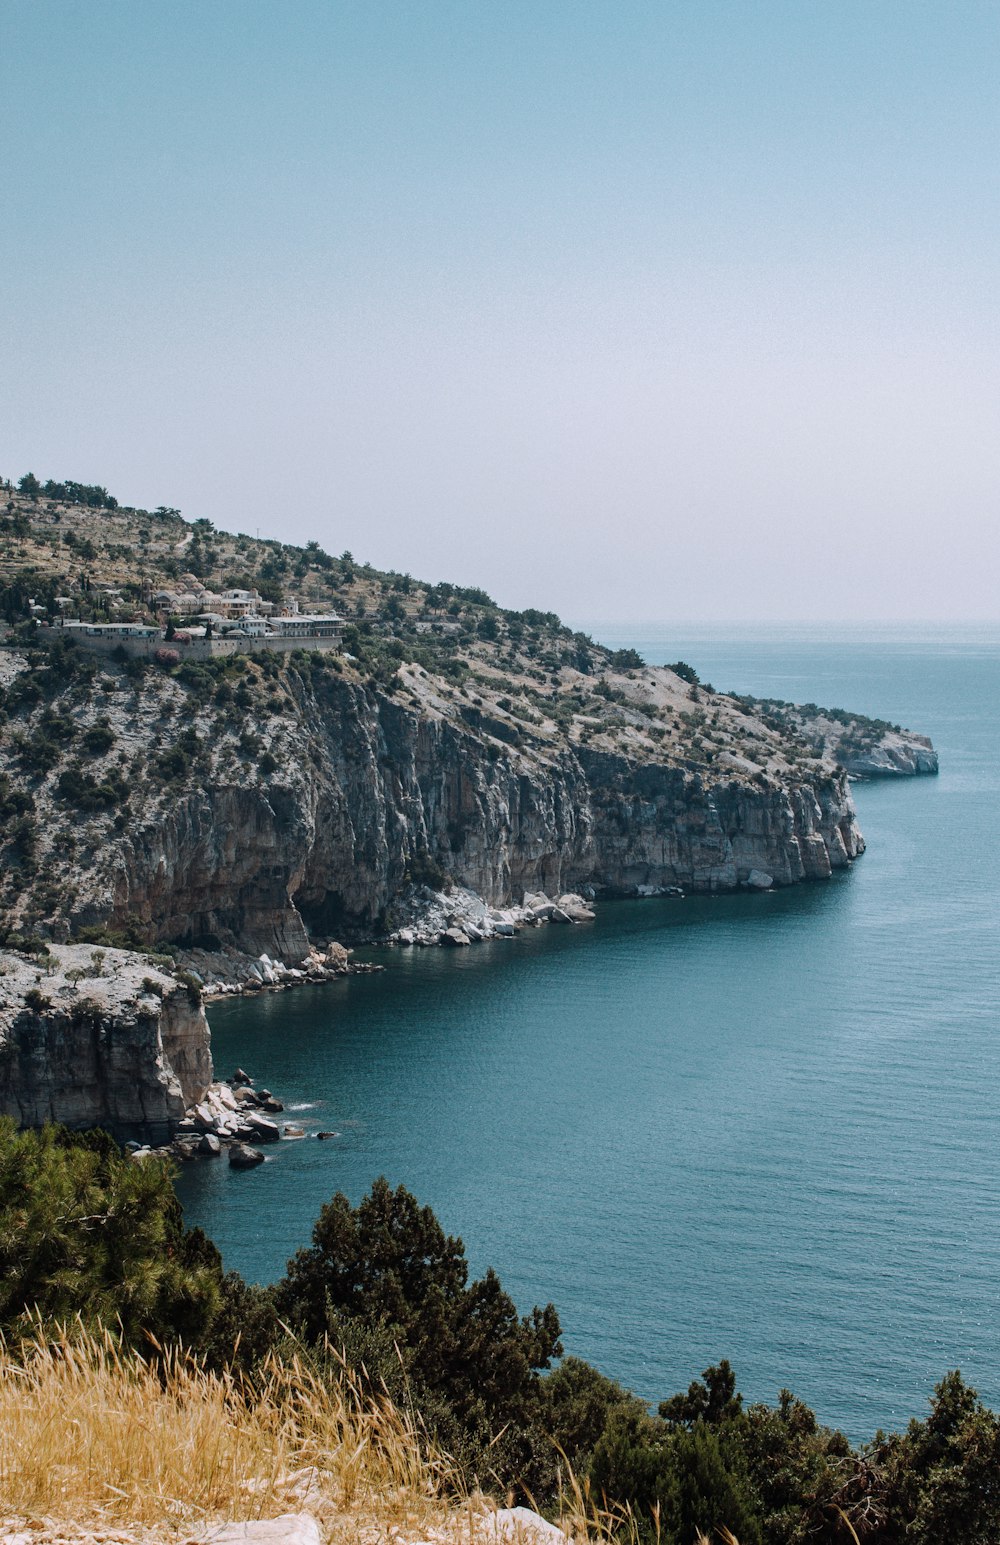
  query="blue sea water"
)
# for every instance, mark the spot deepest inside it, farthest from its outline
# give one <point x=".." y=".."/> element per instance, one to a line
<point x="762" y="1127"/>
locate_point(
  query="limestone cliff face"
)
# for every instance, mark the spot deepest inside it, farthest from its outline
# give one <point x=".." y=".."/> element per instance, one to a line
<point x="897" y="755"/>
<point x="99" y="1038"/>
<point x="370" y="789"/>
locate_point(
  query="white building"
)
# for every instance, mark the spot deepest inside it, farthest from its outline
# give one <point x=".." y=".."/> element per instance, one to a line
<point x="308" y="625"/>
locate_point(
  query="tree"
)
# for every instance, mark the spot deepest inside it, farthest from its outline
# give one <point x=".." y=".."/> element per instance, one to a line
<point x="941" y="1478"/>
<point x="84" y="1231"/>
<point x="387" y="1271"/>
<point x="685" y="672"/>
<point x="712" y="1399"/>
<point x="686" y="1473"/>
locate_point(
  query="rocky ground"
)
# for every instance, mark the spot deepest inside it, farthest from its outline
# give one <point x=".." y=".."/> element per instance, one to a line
<point x="479" y="1524"/>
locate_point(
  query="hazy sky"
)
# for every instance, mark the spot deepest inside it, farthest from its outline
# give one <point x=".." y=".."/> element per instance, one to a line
<point x="678" y="309"/>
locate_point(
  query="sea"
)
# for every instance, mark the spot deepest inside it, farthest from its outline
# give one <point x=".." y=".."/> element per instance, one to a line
<point x="761" y="1127"/>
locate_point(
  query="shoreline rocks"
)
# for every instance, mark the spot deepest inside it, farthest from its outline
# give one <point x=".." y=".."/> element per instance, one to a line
<point x="229" y="1119"/>
<point x="233" y="973"/>
<point x="458" y="917"/>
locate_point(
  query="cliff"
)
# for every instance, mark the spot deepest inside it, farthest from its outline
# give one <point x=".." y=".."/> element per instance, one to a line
<point x="265" y="803"/>
<point x="352" y="792"/>
<point x="99" y="1038"/>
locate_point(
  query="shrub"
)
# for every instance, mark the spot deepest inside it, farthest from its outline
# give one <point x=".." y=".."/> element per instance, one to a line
<point x="685" y="672"/>
<point x="190" y="981"/>
<point x="630" y="660"/>
<point x="98" y="739"/>
<point x="171" y="765"/>
<point x="83" y="790"/>
<point x="422" y="869"/>
<point x="38" y="755"/>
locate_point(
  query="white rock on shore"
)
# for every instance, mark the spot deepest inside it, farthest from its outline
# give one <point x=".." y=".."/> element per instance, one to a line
<point x="459" y="916"/>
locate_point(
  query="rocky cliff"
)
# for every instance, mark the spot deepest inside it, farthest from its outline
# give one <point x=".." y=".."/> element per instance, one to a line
<point x="370" y="792"/>
<point x="260" y="804"/>
<point x="99" y="1038"/>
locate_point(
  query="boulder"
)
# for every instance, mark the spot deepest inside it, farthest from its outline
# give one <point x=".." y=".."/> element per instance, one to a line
<point x="210" y="1145"/>
<point x="454" y="937"/>
<point x="264" y="1129"/>
<point x="289" y="1529"/>
<point x="242" y="1156"/>
<point x="523" y="1525"/>
<point x="758" y="880"/>
<point x="559" y="915"/>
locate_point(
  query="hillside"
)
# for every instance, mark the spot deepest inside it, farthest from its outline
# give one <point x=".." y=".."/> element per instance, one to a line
<point x="260" y="802"/>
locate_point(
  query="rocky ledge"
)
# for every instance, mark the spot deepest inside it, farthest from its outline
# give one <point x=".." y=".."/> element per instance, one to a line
<point x="458" y="917"/>
<point x="105" y="1038"/>
<point x="230" y="971"/>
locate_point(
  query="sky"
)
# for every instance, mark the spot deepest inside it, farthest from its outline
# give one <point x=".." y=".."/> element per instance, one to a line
<point x="683" y="309"/>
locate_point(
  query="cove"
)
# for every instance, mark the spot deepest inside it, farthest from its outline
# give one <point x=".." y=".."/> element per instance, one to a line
<point x="759" y="1127"/>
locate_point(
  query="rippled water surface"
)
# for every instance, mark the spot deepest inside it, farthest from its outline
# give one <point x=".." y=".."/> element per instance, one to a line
<point x="760" y="1127"/>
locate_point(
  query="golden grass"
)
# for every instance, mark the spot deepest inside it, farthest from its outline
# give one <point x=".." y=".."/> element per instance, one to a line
<point x="89" y="1432"/>
<point x="96" y="1442"/>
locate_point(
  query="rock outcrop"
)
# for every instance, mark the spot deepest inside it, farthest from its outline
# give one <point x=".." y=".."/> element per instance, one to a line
<point x="901" y="754"/>
<point x="864" y="747"/>
<point x="99" y="1038"/>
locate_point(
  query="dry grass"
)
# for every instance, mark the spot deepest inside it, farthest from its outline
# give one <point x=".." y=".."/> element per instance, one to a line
<point x="90" y="1433"/>
<point x="97" y="1443"/>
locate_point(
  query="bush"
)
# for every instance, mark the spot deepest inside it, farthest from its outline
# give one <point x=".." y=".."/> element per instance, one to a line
<point x="629" y="660"/>
<point x="422" y="869"/>
<point x="171" y="765"/>
<point x="83" y="790"/>
<point x="98" y="739"/>
<point x="38" y="755"/>
<point x="685" y="672"/>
